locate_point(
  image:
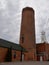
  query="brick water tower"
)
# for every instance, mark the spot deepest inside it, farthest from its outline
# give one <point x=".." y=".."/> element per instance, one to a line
<point x="27" y="33"/>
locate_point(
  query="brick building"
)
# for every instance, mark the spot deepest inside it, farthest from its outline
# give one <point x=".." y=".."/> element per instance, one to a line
<point x="27" y="33"/>
<point x="10" y="51"/>
<point x="42" y="50"/>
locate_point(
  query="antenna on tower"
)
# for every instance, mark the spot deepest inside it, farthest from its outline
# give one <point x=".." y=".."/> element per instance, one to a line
<point x="43" y="37"/>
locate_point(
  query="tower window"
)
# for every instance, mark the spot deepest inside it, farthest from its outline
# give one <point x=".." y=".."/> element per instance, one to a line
<point x="22" y="39"/>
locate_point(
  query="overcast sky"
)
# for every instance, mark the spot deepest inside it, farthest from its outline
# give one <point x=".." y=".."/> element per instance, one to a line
<point x="10" y="18"/>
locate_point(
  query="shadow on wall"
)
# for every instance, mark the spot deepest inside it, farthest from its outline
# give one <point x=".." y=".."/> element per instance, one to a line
<point x="8" y="57"/>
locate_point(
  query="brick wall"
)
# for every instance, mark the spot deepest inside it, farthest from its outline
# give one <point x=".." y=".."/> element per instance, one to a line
<point x="17" y="56"/>
<point x="40" y="47"/>
<point x="43" y="48"/>
<point x="3" y="52"/>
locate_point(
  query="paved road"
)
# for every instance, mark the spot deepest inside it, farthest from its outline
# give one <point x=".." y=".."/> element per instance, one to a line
<point x="25" y="63"/>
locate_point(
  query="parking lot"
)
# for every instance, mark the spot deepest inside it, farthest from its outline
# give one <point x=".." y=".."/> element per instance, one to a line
<point x="26" y="63"/>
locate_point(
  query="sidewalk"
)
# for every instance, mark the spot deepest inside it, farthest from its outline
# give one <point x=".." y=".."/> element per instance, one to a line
<point x="26" y="63"/>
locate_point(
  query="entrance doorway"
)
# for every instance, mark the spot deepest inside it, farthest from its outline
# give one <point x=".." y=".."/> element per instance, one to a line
<point x="41" y="58"/>
<point x="22" y="57"/>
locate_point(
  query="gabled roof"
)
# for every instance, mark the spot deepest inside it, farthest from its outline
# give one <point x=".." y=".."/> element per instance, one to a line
<point x="8" y="44"/>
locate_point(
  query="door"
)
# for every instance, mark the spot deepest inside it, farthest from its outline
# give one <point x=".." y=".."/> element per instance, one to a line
<point x="22" y="57"/>
<point x="41" y="58"/>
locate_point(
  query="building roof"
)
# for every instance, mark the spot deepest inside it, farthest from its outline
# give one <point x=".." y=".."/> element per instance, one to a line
<point x="42" y="43"/>
<point x="8" y="44"/>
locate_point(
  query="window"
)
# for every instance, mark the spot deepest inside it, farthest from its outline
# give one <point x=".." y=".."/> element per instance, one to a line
<point x="14" y="54"/>
<point x="23" y="39"/>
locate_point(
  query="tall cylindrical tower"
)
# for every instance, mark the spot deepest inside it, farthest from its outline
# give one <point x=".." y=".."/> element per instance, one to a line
<point x="27" y="33"/>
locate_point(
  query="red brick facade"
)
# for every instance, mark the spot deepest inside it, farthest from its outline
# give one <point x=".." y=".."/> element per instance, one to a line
<point x="42" y="51"/>
<point x="4" y="51"/>
<point x="18" y="55"/>
<point x="27" y="34"/>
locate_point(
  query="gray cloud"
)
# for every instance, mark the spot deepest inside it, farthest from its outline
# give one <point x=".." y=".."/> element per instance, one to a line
<point x="9" y="21"/>
<point x="10" y="18"/>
